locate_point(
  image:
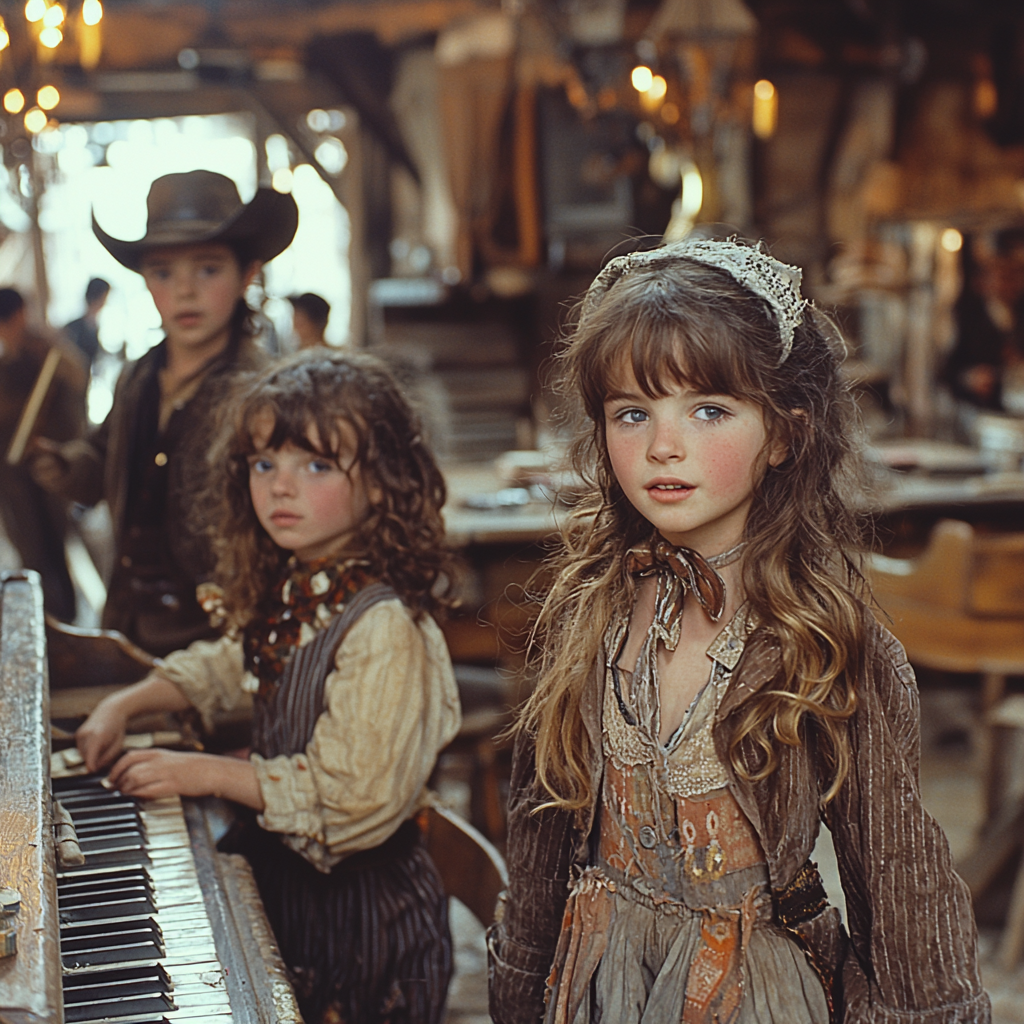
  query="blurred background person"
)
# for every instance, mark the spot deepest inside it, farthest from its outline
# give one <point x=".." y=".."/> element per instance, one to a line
<point x="84" y="332"/>
<point x="35" y="521"/>
<point x="989" y="317"/>
<point x="310" y="314"/>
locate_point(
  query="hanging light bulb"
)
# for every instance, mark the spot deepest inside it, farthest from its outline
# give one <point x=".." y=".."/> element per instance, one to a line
<point x="35" y="120"/>
<point x="5" y="36"/>
<point x="642" y="78"/>
<point x="48" y="97"/>
<point x="14" y="101"/>
<point x="89" y="34"/>
<point x="766" y="109"/>
<point x="54" y="16"/>
<point x="51" y="37"/>
<point x="34" y="10"/>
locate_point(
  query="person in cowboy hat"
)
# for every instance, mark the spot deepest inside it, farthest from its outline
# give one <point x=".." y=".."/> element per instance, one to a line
<point x="202" y="249"/>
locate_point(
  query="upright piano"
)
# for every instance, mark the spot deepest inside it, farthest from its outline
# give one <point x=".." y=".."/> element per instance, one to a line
<point x="153" y="925"/>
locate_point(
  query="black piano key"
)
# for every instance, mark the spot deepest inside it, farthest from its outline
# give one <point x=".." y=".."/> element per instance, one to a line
<point x="134" y="905"/>
<point x="111" y="942"/>
<point x="118" y="1007"/>
<point x="118" y="993"/>
<point x="105" y="881"/>
<point x="151" y="978"/>
<point x="112" y="994"/>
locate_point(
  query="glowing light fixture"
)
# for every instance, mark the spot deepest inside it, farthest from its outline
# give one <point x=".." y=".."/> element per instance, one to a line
<point x="658" y="88"/>
<point x="92" y="12"/>
<point x="642" y="78"/>
<point x="14" y="101"/>
<point x="692" y="197"/>
<point x="951" y="240"/>
<point x="54" y="16"/>
<point x="766" y="109"/>
<point x="48" y="97"/>
<point x="35" y="120"/>
<point x="5" y="36"/>
<point x="34" y="10"/>
<point x="282" y="180"/>
<point x="51" y="37"/>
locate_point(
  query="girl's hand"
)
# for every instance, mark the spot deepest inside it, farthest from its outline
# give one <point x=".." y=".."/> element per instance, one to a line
<point x="100" y="738"/>
<point x="154" y="773"/>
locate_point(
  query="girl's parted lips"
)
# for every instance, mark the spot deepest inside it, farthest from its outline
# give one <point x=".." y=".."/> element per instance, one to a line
<point x="668" y="483"/>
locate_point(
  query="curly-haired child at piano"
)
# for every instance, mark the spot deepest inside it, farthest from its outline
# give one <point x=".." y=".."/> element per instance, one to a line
<point x="330" y="562"/>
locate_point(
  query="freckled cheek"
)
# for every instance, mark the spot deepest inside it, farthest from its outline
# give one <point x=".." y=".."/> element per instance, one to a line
<point x="627" y="459"/>
<point x="730" y="467"/>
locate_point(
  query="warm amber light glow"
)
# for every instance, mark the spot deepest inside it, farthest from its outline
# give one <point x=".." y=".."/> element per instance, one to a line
<point x="92" y="12"/>
<point x="282" y="180"/>
<point x="54" y="16"/>
<point x="766" y="109"/>
<point x="34" y="10"/>
<point x="5" y="36"/>
<point x="35" y="120"/>
<point x="14" y="101"/>
<point x="51" y="37"/>
<point x="48" y="97"/>
<point x="951" y="240"/>
<point x="642" y="78"/>
<point x="658" y="88"/>
<point x="986" y="98"/>
<point x="670" y="113"/>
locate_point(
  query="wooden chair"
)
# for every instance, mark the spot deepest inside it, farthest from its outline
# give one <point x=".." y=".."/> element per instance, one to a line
<point x="959" y="607"/>
<point x="471" y="869"/>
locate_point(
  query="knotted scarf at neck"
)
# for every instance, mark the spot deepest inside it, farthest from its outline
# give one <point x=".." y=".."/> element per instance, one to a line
<point x="304" y="599"/>
<point x="697" y="575"/>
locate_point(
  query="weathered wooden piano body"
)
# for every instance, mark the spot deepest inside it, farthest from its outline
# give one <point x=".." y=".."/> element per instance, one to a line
<point x="207" y="955"/>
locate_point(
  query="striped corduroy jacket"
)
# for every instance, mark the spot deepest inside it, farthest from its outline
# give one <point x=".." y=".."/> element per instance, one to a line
<point x="911" y="955"/>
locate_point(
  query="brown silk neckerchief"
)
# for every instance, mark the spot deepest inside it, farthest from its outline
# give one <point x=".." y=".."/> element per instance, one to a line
<point x="695" y="572"/>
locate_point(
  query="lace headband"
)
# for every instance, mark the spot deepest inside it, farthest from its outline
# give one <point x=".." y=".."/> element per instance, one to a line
<point x="750" y="266"/>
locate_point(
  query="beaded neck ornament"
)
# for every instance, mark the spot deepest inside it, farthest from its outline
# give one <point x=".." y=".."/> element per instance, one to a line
<point x="749" y="265"/>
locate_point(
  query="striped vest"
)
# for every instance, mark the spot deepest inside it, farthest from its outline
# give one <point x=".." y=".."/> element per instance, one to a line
<point x="284" y="723"/>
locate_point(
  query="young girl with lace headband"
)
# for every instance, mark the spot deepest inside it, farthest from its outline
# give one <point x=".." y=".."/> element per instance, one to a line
<point x="712" y="687"/>
<point x="331" y="560"/>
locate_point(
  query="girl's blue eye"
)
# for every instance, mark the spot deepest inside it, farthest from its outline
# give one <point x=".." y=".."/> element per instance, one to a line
<point x="632" y="416"/>
<point x="710" y="413"/>
<point x="321" y="466"/>
<point x="262" y="466"/>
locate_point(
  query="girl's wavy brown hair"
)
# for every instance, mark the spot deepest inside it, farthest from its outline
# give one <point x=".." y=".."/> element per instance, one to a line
<point x="685" y="322"/>
<point x="401" y="539"/>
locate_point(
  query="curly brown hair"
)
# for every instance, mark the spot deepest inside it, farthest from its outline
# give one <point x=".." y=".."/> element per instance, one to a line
<point x="684" y="322"/>
<point x="401" y="540"/>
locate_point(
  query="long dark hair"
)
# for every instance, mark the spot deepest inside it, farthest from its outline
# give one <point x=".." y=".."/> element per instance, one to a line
<point x="402" y="538"/>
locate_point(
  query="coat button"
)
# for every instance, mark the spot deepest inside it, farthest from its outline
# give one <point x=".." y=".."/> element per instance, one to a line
<point x="648" y="837"/>
<point x="160" y="458"/>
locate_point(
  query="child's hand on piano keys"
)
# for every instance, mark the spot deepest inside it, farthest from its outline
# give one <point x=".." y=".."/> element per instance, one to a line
<point x="101" y="737"/>
<point x="154" y="773"/>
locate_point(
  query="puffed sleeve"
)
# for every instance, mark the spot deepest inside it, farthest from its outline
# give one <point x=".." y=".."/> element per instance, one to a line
<point x="391" y="705"/>
<point x="210" y="674"/>
<point x="913" y="939"/>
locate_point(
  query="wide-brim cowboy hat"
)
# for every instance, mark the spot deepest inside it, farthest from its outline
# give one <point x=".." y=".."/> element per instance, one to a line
<point x="203" y="206"/>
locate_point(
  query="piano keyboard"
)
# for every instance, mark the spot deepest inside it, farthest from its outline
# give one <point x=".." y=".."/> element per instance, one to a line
<point x="136" y="944"/>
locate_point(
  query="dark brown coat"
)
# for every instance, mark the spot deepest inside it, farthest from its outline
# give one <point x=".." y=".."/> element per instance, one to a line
<point x="100" y="466"/>
<point x="911" y="955"/>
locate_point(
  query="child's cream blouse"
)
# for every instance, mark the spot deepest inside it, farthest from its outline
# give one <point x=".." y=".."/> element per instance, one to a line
<point x="390" y="706"/>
